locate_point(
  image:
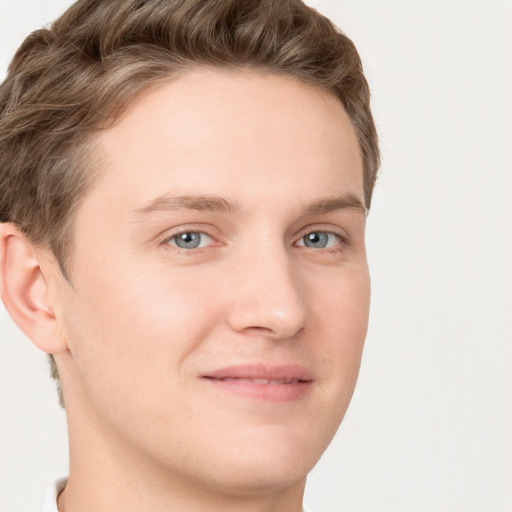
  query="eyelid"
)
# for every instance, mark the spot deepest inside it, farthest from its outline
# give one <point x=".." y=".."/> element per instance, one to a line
<point x="171" y="233"/>
<point x="217" y="238"/>
<point x="173" y="240"/>
<point x="339" y="242"/>
<point x="331" y="230"/>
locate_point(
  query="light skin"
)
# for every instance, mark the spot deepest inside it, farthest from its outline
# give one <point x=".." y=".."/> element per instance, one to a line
<point x="211" y="338"/>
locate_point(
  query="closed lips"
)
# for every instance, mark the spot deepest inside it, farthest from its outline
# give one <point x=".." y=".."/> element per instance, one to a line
<point x="258" y="380"/>
<point x="262" y="374"/>
<point x="263" y="382"/>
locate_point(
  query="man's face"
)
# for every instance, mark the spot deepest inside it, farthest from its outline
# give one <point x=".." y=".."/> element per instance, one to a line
<point x="220" y="285"/>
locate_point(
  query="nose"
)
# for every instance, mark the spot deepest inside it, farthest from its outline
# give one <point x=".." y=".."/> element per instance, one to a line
<point x="266" y="296"/>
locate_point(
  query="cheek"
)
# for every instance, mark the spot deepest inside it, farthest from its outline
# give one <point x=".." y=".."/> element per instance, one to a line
<point x="342" y="323"/>
<point x="133" y="330"/>
<point x="342" y="302"/>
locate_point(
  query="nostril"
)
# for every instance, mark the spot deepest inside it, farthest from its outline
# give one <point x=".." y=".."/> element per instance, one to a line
<point x="258" y="330"/>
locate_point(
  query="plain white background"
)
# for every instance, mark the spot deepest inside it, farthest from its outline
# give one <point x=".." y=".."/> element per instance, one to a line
<point x="430" y="425"/>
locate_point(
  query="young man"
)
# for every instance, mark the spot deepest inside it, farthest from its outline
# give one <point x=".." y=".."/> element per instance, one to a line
<point x="183" y="203"/>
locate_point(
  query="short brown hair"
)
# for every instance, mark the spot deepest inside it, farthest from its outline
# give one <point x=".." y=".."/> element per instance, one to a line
<point x="77" y="76"/>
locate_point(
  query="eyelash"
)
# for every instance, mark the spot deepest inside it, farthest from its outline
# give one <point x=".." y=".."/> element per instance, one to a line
<point x="343" y="241"/>
<point x="167" y="240"/>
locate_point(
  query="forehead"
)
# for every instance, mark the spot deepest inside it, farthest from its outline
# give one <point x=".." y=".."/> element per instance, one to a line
<point x="239" y="131"/>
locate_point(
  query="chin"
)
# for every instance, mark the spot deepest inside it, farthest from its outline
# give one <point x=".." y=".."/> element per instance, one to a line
<point x="267" y="464"/>
<point x="256" y="479"/>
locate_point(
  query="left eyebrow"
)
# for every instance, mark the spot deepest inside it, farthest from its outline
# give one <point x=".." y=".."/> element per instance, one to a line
<point x="331" y="204"/>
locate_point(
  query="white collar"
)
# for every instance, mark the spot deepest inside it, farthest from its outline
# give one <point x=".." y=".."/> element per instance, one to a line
<point x="56" y="487"/>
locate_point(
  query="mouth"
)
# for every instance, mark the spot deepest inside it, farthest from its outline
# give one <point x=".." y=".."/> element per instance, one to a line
<point x="268" y="383"/>
<point x="258" y="380"/>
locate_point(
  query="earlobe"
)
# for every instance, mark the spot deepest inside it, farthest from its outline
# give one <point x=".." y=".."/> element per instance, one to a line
<point x="25" y="292"/>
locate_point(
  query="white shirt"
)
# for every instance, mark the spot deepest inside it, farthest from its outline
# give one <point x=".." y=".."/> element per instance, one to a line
<point x="56" y="487"/>
<point x="50" y="502"/>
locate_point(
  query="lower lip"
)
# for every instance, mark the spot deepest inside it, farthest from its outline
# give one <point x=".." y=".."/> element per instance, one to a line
<point x="278" y="393"/>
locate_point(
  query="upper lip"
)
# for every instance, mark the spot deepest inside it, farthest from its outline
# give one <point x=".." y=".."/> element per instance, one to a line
<point x="284" y="372"/>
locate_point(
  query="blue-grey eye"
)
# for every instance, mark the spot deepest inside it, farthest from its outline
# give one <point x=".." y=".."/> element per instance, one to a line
<point x="319" y="240"/>
<point x="188" y="240"/>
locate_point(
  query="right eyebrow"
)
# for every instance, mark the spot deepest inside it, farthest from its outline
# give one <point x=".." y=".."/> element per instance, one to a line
<point x="188" y="202"/>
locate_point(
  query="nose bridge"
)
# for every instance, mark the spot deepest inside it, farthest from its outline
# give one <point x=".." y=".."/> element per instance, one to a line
<point x="269" y="296"/>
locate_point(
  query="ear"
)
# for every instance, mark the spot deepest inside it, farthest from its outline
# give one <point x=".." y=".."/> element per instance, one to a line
<point x="25" y="290"/>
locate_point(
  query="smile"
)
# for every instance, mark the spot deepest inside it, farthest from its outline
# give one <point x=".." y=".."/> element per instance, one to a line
<point x="273" y="382"/>
<point x="262" y="382"/>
